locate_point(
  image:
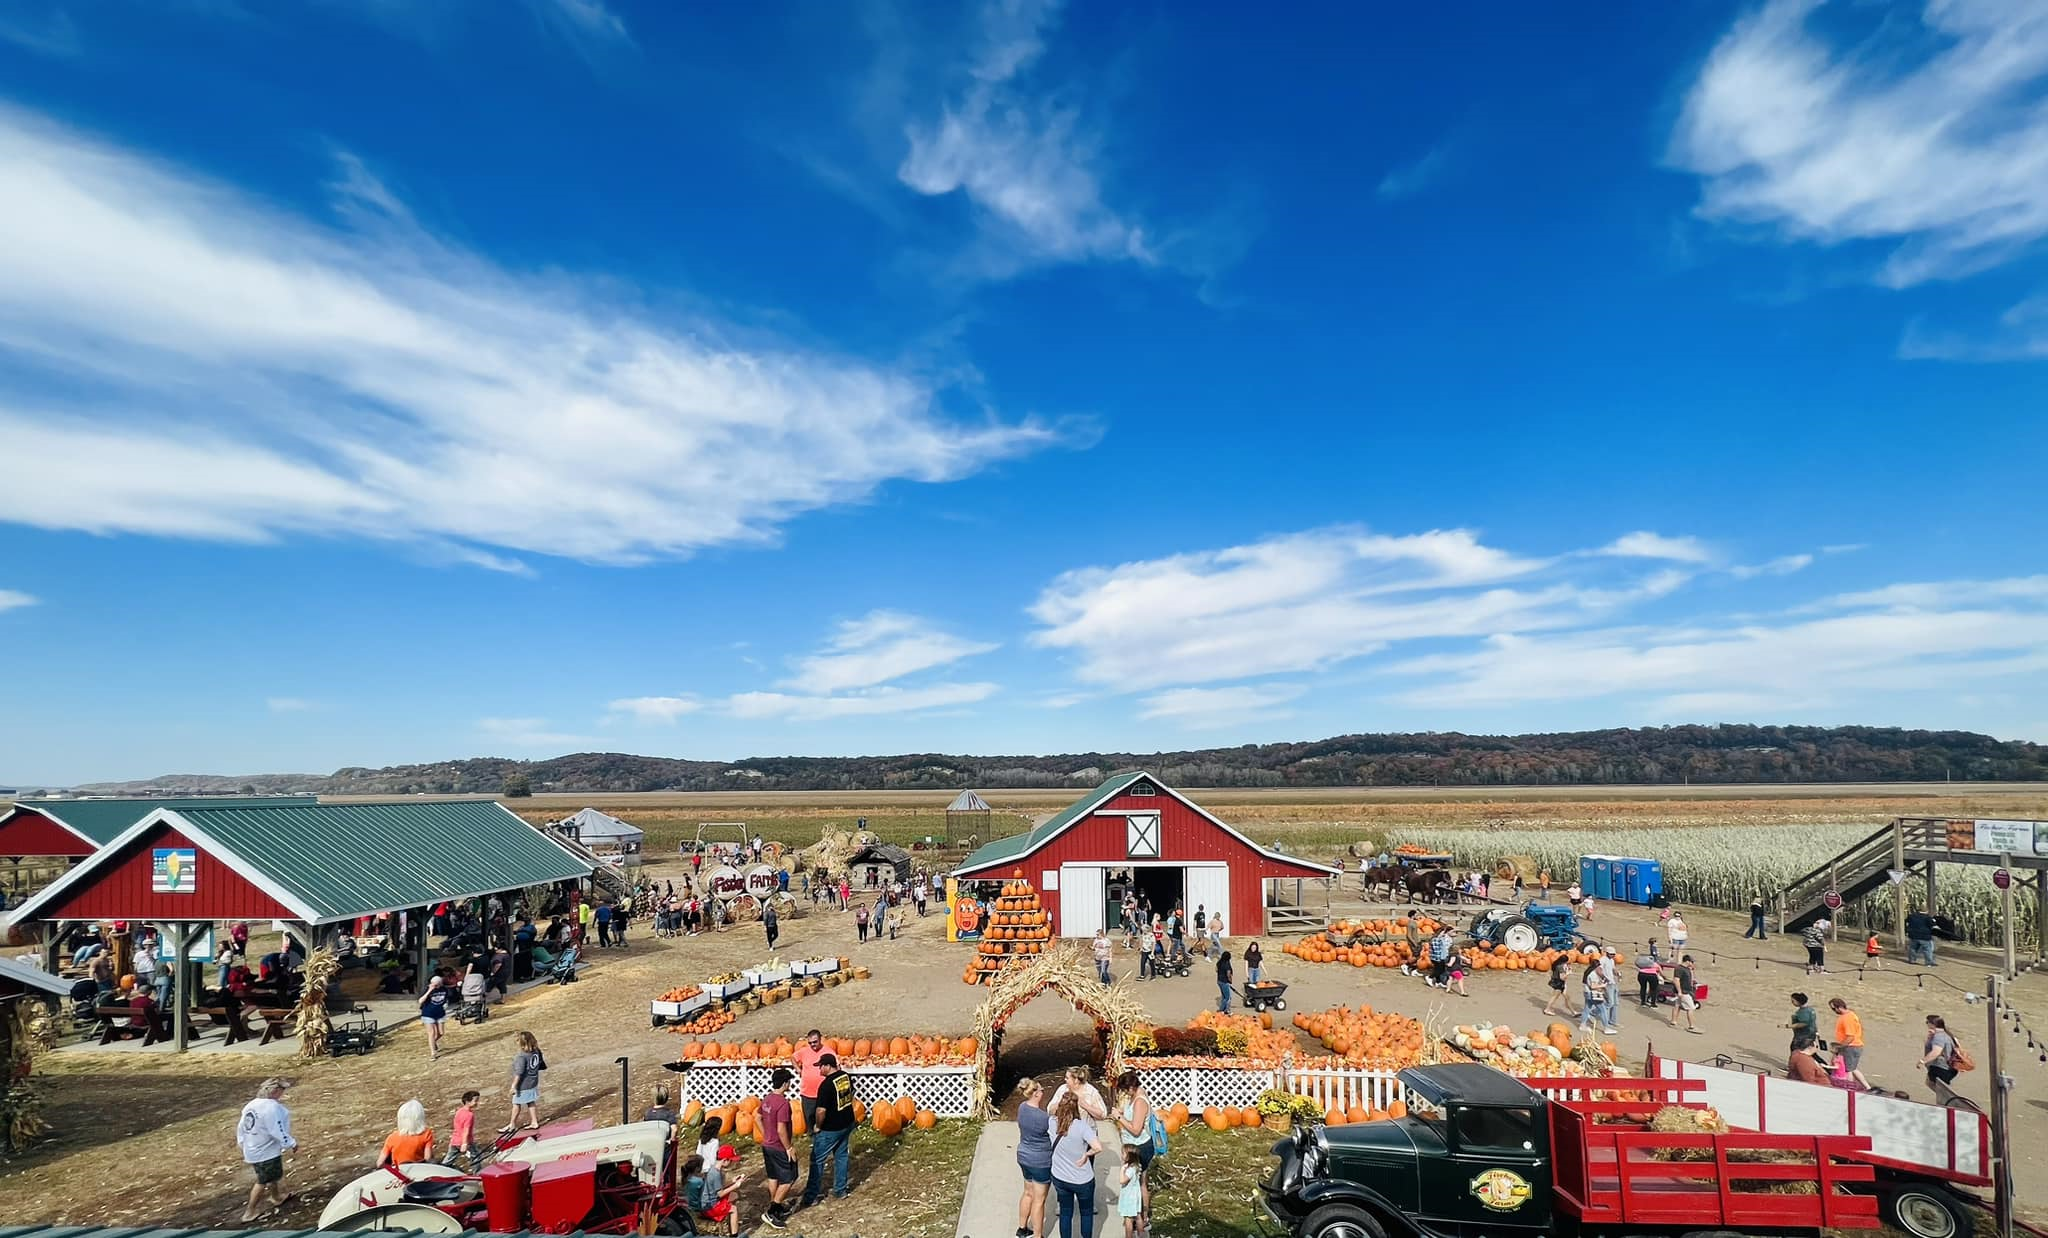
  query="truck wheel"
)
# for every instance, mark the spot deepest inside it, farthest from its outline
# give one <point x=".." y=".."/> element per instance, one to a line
<point x="1519" y="936"/>
<point x="1925" y="1210"/>
<point x="1341" y="1221"/>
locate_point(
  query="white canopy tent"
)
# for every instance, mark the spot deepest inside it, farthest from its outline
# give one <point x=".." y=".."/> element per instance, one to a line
<point x="602" y="832"/>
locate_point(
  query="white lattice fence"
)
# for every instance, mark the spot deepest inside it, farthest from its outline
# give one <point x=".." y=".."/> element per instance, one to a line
<point x="947" y="1091"/>
<point x="1199" y="1088"/>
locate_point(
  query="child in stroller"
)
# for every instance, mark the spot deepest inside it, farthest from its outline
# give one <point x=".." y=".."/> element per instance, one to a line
<point x="475" y="1006"/>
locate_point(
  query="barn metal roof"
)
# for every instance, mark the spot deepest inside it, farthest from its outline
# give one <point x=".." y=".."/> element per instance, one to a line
<point x="101" y="821"/>
<point x="34" y="977"/>
<point x="331" y="862"/>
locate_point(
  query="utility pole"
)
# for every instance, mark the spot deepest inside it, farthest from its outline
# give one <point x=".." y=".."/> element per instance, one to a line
<point x="2001" y="1134"/>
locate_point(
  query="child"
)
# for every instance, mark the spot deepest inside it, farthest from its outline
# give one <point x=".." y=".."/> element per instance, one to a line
<point x="708" y="1194"/>
<point x="462" y="1132"/>
<point x="1457" y="976"/>
<point x="1130" y="1194"/>
<point x="1873" y="954"/>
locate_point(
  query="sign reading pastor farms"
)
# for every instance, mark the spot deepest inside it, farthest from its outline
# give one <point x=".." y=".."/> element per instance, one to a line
<point x="726" y="883"/>
<point x="761" y="881"/>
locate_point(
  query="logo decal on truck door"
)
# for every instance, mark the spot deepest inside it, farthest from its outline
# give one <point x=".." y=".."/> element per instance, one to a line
<point x="1501" y="1190"/>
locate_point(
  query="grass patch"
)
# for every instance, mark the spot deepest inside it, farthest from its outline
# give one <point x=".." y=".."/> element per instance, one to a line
<point x="910" y="1185"/>
<point x="1214" y="1177"/>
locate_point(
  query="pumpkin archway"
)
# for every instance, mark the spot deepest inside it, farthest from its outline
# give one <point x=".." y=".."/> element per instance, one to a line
<point x="1068" y="969"/>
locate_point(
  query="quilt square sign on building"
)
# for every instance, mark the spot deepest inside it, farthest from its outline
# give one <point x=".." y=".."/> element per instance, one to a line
<point x="173" y="870"/>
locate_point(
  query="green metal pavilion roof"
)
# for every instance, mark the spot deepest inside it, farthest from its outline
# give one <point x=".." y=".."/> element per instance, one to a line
<point x="333" y="862"/>
<point x="103" y="820"/>
<point x="1024" y="844"/>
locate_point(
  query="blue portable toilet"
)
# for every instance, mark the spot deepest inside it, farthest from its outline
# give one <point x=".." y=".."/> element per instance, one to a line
<point x="1616" y="884"/>
<point x="1590" y="868"/>
<point x="1653" y="878"/>
<point x="1632" y="881"/>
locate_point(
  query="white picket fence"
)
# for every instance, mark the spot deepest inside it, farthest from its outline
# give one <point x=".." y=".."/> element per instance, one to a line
<point x="1332" y="1087"/>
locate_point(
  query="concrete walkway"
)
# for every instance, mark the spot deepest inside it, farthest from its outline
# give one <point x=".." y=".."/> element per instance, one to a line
<point x="994" y="1185"/>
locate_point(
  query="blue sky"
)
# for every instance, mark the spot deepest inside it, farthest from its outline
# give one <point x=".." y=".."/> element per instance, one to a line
<point x="385" y="382"/>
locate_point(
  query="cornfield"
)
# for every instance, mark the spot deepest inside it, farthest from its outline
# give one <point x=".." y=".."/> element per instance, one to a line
<point x="1724" y="866"/>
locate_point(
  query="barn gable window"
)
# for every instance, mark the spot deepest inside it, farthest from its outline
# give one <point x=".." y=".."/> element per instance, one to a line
<point x="1142" y="787"/>
<point x="1141" y="833"/>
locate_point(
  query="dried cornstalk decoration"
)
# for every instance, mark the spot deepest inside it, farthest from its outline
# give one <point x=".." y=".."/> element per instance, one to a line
<point x="311" y="1023"/>
<point x="1066" y="967"/>
<point x="21" y="1121"/>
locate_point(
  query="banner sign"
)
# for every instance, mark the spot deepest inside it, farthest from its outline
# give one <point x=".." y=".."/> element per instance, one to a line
<point x="761" y="882"/>
<point x="173" y="869"/>
<point x="1999" y="837"/>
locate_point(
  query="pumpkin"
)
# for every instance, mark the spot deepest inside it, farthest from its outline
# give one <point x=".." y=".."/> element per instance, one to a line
<point x="1179" y="1113"/>
<point x="1233" y="1118"/>
<point x="861" y="1048"/>
<point x="1251" y="1116"/>
<point x="906" y="1109"/>
<point x="1266" y="1020"/>
<point x="925" y="1119"/>
<point x="1561" y="1037"/>
<point x="1214" y="1119"/>
<point x="693" y="1113"/>
<point x="860" y="1111"/>
<point x="1399" y="1109"/>
<point x="1172" y="1122"/>
<point x="1356" y="1114"/>
<point x="743" y="1125"/>
<point x="966" y="1046"/>
<point x="1335" y="1117"/>
<point x="887" y="1124"/>
<point x="796" y="1118"/>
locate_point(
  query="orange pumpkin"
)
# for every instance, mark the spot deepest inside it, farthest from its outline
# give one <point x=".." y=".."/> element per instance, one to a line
<point x="1356" y="1114"/>
<point x="906" y="1108"/>
<point x="887" y="1124"/>
<point x="796" y="1119"/>
<point x="1252" y="1117"/>
<point x="860" y="1111"/>
<point x="1214" y="1119"/>
<point x="1399" y="1109"/>
<point x="693" y="1113"/>
<point x="1335" y="1117"/>
<point x="925" y="1119"/>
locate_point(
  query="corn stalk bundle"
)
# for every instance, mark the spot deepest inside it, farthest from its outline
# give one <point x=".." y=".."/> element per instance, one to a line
<point x="21" y="1121"/>
<point x="1068" y="969"/>
<point x="311" y="1023"/>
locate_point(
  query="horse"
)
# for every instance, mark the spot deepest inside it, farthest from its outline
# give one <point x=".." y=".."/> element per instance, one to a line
<point x="1390" y="876"/>
<point x="1428" y="885"/>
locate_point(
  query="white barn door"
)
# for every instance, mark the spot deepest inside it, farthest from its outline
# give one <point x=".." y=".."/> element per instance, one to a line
<point x="1209" y="887"/>
<point x="1080" y="900"/>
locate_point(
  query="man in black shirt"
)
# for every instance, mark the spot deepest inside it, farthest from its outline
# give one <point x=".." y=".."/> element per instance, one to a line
<point x="1920" y="938"/>
<point x="1223" y="979"/>
<point x="831" y="1130"/>
<point x="1686" y="1002"/>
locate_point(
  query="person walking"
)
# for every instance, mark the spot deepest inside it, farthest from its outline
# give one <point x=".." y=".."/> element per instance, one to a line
<point x="1034" y="1157"/>
<point x="1216" y="931"/>
<point x="1440" y="958"/>
<point x="1130" y="1193"/>
<point x="1648" y="972"/>
<point x="604" y="924"/>
<point x="1610" y="978"/>
<point x="845" y="891"/>
<point x="1815" y="939"/>
<point x="770" y="924"/>
<point x="1920" y="938"/>
<point x="1073" y="1168"/>
<point x="1848" y="1034"/>
<point x="526" y="1067"/>
<point x="778" y="1159"/>
<point x="1805" y="1020"/>
<point x="831" y="1121"/>
<point x="860" y="921"/>
<point x="1224" y="978"/>
<point x="1595" y="997"/>
<point x="1254" y="962"/>
<point x="462" y="1140"/>
<point x="434" y="1013"/>
<point x="264" y="1134"/>
<point x="1560" y="979"/>
<point x="1687" y="1001"/>
<point x="1756" y="919"/>
<point x="622" y="915"/>
<point x="1675" y="929"/>
<point x="1873" y="954"/>
<point x="1939" y="1054"/>
<point x="1101" y="951"/>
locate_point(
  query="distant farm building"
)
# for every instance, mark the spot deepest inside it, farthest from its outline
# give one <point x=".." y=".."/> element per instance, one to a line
<point x="968" y="816"/>
<point x="1135" y="833"/>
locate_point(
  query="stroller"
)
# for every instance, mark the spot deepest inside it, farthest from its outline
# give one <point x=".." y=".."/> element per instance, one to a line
<point x="563" y="969"/>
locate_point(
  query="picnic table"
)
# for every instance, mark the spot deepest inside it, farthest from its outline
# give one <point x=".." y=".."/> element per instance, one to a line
<point x="117" y="1021"/>
<point x="277" y="1022"/>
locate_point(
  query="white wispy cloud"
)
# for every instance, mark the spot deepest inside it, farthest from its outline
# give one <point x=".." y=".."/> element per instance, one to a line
<point x="1304" y="601"/>
<point x="1024" y="157"/>
<point x="664" y="709"/>
<point x="1934" y="595"/>
<point x="523" y="733"/>
<point x="1216" y="707"/>
<point x="288" y="704"/>
<point x="868" y="701"/>
<point x="12" y="598"/>
<point x="239" y="373"/>
<point x="876" y="648"/>
<point x="1783" y="565"/>
<point x="1409" y="179"/>
<point x="1647" y="545"/>
<point x="1934" y="138"/>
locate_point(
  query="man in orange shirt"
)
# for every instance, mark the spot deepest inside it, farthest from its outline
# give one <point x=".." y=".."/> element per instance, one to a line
<point x="1848" y="1033"/>
<point x="412" y="1142"/>
<point x="809" y="1077"/>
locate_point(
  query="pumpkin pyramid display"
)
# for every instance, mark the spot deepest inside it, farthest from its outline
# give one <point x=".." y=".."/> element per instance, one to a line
<point x="1016" y="925"/>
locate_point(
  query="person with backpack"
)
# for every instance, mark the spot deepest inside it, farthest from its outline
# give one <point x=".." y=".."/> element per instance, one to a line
<point x="1944" y="1058"/>
<point x="1141" y="1131"/>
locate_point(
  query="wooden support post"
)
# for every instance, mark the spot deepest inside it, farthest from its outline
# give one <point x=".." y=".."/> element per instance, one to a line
<point x="2005" y="907"/>
<point x="420" y="964"/>
<point x="183" y="937"/>
<point x="2001" y="1129"/>
<point x="1899" y="886"/>
<point x="53" y="950"/>
<point x="1931" y="866"/>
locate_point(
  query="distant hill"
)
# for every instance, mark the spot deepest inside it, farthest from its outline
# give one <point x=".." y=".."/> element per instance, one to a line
<point x="1676" y="754"/>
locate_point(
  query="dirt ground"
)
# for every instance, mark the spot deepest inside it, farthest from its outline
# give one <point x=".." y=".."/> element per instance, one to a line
<point x="149" y="1141"/>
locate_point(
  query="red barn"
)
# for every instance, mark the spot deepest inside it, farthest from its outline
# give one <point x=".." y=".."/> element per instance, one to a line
<point x="1135" y="832"/>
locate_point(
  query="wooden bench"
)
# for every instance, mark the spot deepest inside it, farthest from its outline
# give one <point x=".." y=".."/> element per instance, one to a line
<point x="230" y="1018"/>
<point x="277" y="1023"/>
<point x="116" y="1021"/>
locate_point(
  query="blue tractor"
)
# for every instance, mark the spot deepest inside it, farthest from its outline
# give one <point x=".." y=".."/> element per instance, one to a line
<point x="1534" y="927"/>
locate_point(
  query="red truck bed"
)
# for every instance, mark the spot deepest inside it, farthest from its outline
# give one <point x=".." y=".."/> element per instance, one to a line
<point x="1610" y="1173"/>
